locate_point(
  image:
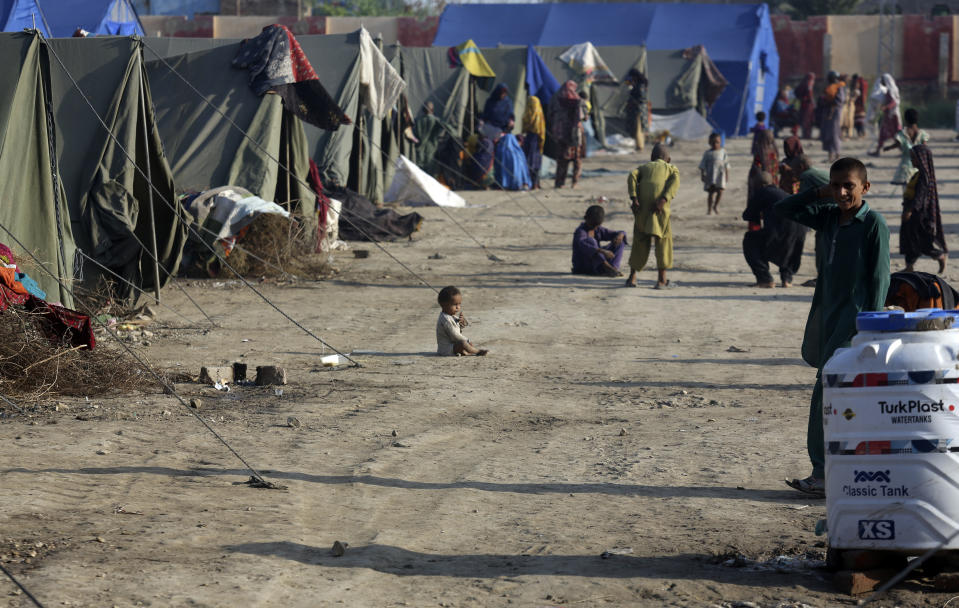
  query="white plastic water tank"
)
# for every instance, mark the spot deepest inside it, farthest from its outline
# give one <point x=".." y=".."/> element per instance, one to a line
<point x="891" y="421"/>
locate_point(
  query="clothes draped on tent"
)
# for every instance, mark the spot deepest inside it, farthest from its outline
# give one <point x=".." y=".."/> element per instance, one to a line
<point x="585" y="59"/>
<point x="470" y="57"/>
<point x="383" y="84"/>
<point x="413" y="186"/>
<point x="226" y="211"/>
<point x="277" y="63"/>
<point x="539" y="80"/>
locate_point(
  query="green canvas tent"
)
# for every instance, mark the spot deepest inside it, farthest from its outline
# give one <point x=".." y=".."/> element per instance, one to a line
<point x="677" y="81"/>
<point x="343" y="156"/>
<point x="199" y="127"/>
<point x="79" y="189"/>
<point x="114" y="211"/>
<point x="34" y="207"/>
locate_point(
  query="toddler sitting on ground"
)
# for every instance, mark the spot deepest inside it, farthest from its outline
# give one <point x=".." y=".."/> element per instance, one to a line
<point x="450" y="340"/>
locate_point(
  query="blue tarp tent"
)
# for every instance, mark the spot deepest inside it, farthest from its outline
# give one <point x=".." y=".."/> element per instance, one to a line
<point x="738" y="38"/>
<point x="60" y="18"/>
<point x="177" y="7"/>
<point x="17" y="15"/>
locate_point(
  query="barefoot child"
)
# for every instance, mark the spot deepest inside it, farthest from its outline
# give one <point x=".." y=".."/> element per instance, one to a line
<point x="450" y="340"/>
<point x="590" y="256"/>
<point x="714" y="171"/>
<point x="852" y="244"/>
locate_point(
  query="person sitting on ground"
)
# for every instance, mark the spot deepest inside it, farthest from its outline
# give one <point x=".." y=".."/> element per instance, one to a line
<point x="651" y="188"/>
<point x="769" y="237"/>
<point x="907" y="137"/>
<point x="589" y="254"/>
<point x="450" y="340"/>
<point x="853" y="277"/>
<point x="714" y="171"/>
<point x="921" y="232"/>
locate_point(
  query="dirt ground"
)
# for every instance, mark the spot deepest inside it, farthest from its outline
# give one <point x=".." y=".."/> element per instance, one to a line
<point x="613" y="450"/>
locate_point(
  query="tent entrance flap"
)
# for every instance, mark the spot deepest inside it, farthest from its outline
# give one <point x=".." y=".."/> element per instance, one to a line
<point x="34" y="208"/>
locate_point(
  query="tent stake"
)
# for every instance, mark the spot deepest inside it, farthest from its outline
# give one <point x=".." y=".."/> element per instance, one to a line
<point x="153" y="226"/>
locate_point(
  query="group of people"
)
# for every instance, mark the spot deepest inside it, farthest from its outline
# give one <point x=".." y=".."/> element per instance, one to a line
<point x="843" y="109"/>
<point x="786" y="197"/>
<point x="495" y="157"/>
<point x="651" y="187"/>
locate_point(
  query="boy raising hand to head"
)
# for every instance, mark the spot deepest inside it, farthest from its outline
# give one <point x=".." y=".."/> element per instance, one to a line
<point x="852" y="245"/>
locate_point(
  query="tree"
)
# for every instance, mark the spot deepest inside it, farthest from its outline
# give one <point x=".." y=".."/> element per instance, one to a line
<point x="800" y="9"/>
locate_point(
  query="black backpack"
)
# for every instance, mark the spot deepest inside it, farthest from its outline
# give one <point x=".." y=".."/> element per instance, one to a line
<point x="915" y="290"/>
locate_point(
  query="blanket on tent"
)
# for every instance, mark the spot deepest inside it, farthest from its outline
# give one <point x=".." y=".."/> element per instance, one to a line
<point x="277" y="63"/>
<point x="585" y="59"/>
<point x="383" y="84"/>
<point x="361" y="220"/>
<point x="539" y="79"/>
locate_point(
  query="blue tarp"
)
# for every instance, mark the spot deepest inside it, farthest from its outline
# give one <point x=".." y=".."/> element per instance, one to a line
<point x="60" y="18"/>
<point x="17" y="15"/>
<point x="738" y="37"/>
<point x="177" y="7"/>
<point x="539" y="79"/>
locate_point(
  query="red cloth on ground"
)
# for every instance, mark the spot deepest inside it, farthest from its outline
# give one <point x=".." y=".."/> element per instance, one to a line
<point x="58" y="323"/>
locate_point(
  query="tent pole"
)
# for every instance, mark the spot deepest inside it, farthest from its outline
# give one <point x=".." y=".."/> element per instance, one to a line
<point x="289" y="163"/>
<point x="153" y="226"/>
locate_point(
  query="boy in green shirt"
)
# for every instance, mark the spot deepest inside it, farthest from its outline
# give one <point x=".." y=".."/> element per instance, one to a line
<point x="852" y="242"/>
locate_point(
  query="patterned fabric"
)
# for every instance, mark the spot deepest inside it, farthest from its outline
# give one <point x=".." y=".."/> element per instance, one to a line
<point x="6" y="255"/>
<point x="277" y="63"/>
<point x="565" y="122"/>
<point x="922" y="233"/>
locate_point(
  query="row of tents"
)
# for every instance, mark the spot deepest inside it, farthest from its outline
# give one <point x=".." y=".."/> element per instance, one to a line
<point x="61" y="18"/>
<point x="180" y="118"/>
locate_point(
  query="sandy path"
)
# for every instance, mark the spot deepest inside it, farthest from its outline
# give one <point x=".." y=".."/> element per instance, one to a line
<point x="512" y="475"/>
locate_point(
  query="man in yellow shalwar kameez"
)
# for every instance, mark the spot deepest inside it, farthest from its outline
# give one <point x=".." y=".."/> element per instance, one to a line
<point x="651" y="188"/>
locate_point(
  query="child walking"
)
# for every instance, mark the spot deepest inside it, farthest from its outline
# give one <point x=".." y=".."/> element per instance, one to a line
<point x="714" y="171"/>
<point x="450" y="340"/>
